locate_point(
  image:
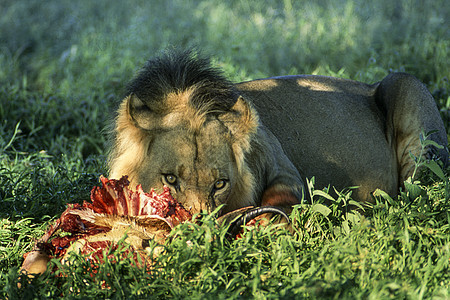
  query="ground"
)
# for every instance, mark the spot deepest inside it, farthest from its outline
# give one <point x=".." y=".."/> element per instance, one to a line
<point x="63" y="66"/>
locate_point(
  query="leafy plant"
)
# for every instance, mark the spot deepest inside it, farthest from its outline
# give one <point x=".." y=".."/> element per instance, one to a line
<point x="432" y="165"/>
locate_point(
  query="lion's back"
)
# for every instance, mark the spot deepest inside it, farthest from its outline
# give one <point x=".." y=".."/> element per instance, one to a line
<point x="330" y="128"/>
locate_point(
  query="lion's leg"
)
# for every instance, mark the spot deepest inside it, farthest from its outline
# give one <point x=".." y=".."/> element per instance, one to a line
<point x="410" y="109"/>
<point x="283" y="184"/>
<point x="281" y="195"/>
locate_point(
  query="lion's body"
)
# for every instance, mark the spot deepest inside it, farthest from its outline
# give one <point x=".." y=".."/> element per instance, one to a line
<point x="329" y="128"/>
<point x="254" y="143"/>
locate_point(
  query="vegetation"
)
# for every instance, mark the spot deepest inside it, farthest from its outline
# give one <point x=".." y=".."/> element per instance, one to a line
<point x="63" y="67"/>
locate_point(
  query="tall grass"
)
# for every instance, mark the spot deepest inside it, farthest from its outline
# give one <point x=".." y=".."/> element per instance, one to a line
<point x="63" y="68"/>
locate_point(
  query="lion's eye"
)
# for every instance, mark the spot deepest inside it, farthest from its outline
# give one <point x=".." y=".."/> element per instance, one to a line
<point x="219" y="184"/>
<point x="171" y="179"/>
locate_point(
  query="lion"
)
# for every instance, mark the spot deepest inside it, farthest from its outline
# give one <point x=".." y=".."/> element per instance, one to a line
<point x="184" y="125"/>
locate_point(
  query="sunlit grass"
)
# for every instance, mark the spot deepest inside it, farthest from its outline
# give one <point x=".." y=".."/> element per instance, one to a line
<point x="63" y="67"/>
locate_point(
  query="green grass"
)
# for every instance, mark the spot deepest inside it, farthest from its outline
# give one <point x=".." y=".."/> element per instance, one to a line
<point x="63" y="68"/>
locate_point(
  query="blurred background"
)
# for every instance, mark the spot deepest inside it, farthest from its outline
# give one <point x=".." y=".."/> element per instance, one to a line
<point x="85" y="47"/>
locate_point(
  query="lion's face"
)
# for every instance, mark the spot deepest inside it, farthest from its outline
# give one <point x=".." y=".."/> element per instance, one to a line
<point x="198" y="167"/>
<point x="199" y="155"/>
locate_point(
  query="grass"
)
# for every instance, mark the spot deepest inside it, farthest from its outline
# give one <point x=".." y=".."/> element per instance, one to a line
<point x="63" y="67"/>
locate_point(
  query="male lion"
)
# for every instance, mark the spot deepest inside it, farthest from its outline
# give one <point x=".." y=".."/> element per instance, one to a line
<point x="212" y="142"/>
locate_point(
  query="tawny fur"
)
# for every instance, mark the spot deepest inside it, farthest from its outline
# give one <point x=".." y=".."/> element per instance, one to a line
<point x="264" y="138"/>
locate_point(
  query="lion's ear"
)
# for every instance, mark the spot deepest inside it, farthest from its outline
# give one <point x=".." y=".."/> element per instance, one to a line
<point x="140" y="113"/>
<point x="242" y="121"/>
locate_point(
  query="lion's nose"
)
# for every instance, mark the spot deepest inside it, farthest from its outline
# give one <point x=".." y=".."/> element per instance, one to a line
<point x="195" y="202"/>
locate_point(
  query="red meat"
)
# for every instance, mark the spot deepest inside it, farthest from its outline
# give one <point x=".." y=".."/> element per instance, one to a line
<point x="98" y="225"/>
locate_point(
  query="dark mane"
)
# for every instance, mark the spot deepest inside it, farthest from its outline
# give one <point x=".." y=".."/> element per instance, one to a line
<point x="178" y="71"/>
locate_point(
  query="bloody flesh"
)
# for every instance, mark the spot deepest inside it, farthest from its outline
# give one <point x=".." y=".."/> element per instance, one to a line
<point x="97" y="225"/>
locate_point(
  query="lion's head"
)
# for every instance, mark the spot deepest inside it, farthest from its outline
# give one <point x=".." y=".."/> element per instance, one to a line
<point x="182" y="125"/>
